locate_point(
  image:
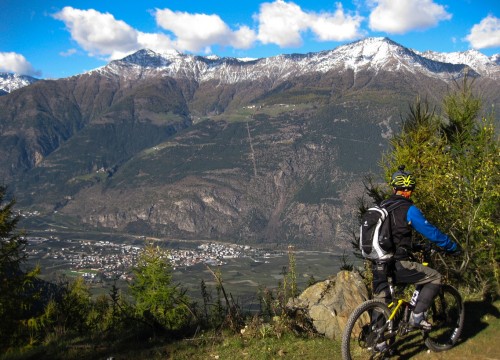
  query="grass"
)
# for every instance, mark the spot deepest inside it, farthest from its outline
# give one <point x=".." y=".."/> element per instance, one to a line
<point x="272" y="110"/>
<point x="259" y="348"/>
<point x="479" y="341"/>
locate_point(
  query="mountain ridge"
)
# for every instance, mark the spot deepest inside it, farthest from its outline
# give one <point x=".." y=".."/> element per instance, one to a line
<point x="374" y="52"/>
<point x="371" y="53"/>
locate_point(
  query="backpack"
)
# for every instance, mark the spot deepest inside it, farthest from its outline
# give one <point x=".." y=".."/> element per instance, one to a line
<point x="375" y="237"/>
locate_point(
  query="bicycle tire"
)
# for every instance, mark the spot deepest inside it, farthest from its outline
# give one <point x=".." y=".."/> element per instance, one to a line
<point x="360" y="335"/>
<point x="447" y="317"/>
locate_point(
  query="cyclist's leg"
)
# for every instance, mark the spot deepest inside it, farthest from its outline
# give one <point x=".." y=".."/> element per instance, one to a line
<point x="380" y="285"/>
<point x="381" y="292"/>
<point x="409" y="272"/>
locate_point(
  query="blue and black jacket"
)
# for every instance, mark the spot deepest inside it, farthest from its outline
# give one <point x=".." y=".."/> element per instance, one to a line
<point x="408" y="216"/>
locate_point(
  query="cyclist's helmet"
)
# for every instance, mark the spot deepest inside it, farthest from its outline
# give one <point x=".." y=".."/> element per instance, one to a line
<point x="403" y="180"/>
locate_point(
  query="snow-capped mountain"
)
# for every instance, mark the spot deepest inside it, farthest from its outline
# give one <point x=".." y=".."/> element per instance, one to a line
<point x="369" y="54"/>
<point x="10" y="82"/>
<point x="483" y="65"/>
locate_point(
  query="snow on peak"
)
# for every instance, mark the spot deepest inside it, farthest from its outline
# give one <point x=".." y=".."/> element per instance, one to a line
<point x="10" y="82"/>
<point x="375" y="54"/>
<point x="372" y="52"/>
<point x="149" y="58"/>
<point x="246" y="59"/>
<point x="465" y="57"/>
<point x="483" y="65"/>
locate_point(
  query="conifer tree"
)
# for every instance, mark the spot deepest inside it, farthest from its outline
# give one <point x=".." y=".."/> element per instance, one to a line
<point x="158" y="301"/>
<point x="15" y="293"/>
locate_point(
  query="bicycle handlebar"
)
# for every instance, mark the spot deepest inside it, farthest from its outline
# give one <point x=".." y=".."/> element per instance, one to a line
<point x="428" y="249"/>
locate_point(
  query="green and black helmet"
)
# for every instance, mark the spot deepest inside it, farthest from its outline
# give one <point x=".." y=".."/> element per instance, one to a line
<point x="403" y="180"/>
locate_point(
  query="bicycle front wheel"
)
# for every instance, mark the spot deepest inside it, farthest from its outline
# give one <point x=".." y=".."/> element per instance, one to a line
<point x="364" y="334"/>
<point x="447" y="316"/>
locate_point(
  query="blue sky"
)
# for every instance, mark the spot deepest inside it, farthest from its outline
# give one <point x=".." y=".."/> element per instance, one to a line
<point x="60" y="38"/>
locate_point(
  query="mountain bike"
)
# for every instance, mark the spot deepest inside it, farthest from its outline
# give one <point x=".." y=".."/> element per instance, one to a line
<point x="373" y="327"/>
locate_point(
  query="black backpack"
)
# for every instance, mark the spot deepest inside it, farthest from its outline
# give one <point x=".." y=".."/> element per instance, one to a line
<point x="375" y="236"/>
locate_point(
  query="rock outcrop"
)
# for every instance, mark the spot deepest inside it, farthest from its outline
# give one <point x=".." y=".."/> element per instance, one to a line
<point x="328" y="304"/>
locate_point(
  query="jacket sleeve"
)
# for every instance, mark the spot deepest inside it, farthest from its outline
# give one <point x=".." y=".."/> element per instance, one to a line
<point x="418" y="221"/>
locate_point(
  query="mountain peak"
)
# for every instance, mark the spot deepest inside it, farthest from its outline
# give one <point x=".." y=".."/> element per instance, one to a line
<point x="377" y="53"/>
<point x="150" y="58"/>
<point x="10" y="82"/>
<point x="374" y="44"/>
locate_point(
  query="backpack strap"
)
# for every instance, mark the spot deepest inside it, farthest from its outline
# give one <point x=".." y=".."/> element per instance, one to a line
<point x="390" y="206"/>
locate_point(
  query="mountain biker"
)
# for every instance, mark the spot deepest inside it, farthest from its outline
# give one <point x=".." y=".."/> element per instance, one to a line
<point x="406" y="271"/>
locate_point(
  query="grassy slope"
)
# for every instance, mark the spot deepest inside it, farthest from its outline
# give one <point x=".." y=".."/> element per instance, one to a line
<point x="479" y="341"/>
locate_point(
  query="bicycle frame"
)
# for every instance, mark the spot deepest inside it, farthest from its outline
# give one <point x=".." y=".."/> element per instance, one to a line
<point x="390" y="325"/>
<point x="398" y="306"/>
<point x="397" y="303"/>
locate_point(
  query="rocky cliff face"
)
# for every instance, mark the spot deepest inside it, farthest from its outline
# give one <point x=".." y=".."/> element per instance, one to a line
<point x="256" y="187"/>
<point x="170" y="145"/>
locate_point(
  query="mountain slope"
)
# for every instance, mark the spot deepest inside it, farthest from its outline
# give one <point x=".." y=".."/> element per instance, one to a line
<point x="172" y="145"/>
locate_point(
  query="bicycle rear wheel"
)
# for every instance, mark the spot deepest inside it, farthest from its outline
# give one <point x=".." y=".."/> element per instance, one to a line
<point x="447" y="316"/>
<point x="365" y="329"/>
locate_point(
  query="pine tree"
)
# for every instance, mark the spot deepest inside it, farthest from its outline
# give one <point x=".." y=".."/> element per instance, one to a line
<point x="16" y="295"/>
<point x="158" y="301"/>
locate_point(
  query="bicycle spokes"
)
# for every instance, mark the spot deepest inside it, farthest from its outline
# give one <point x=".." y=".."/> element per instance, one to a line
<point x="365" y="333"/>
<point x="447" y="317"/>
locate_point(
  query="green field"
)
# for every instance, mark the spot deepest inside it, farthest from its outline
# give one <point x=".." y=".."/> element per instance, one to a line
<point x="244" y="277"/>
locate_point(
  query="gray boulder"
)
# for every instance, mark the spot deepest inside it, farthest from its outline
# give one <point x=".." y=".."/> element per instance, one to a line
<point x="327" y="304"/>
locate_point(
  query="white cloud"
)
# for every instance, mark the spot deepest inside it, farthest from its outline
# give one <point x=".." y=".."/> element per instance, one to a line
<point x="67" y="53"/>
<point x="402" y="16"/>
<point x="337" y="26"/>
<point x="16" y="63"/>
<point x="284" y="23"/>
<point x="155" y="41"/>
<point x="281" y="23"/>
<point x="195" y="32"/>
<point x="99" y="34"/>
<point x="243" y="38"/>
<point x="486" y="34"/>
